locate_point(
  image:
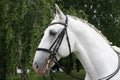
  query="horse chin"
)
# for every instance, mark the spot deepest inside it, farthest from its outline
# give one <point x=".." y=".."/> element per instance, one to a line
<point x="44" y="71"/>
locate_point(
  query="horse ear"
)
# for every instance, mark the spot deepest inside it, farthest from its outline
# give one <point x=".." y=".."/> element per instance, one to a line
<point x="59" y="13"/>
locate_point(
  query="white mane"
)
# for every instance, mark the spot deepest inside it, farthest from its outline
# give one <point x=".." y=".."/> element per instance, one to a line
<point x="92" y="26"/>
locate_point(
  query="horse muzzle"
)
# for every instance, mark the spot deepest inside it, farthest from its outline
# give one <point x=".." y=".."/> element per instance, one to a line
<point x="44" y="70"/>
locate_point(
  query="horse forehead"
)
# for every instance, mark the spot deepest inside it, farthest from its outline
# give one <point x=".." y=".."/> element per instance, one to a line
<point x="56" y="27"/>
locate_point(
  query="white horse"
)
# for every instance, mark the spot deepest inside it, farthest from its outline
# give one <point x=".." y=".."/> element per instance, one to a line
<point x="98" y="58"/>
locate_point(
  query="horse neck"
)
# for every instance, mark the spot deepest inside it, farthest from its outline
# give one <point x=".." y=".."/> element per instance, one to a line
<point x="95" y="54"/>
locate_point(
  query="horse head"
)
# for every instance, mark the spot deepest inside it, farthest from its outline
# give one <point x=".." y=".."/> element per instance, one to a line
<point x="56" y="43"/>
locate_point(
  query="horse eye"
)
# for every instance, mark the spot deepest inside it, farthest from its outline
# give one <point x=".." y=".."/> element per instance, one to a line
<point x="52" y="33"/>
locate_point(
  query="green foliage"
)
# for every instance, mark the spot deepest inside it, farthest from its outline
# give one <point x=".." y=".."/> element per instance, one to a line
<point x="22" y="23"/>
<point x="59" y="76"/>
<point x="104" y="15"/>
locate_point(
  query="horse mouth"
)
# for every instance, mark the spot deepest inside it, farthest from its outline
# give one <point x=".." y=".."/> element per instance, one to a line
<point x="46" y="69"/>
<point x="42" y="71"/>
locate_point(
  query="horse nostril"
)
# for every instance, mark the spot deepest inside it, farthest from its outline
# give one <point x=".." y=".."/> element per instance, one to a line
<point x="35" y="65"/>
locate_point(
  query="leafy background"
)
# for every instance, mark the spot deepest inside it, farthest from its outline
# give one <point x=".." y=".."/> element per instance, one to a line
<point x="22" y="23"/>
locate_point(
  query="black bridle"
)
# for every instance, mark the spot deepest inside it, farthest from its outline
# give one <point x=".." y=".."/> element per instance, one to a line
<point x="53" y="50"/>
<point x="56" y="44"/>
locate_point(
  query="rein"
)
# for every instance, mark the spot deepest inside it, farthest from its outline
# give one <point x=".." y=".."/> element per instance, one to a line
<point x="115" y="72"/>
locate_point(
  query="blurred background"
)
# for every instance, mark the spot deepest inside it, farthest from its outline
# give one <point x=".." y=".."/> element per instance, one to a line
<point x="22" y="23"/>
